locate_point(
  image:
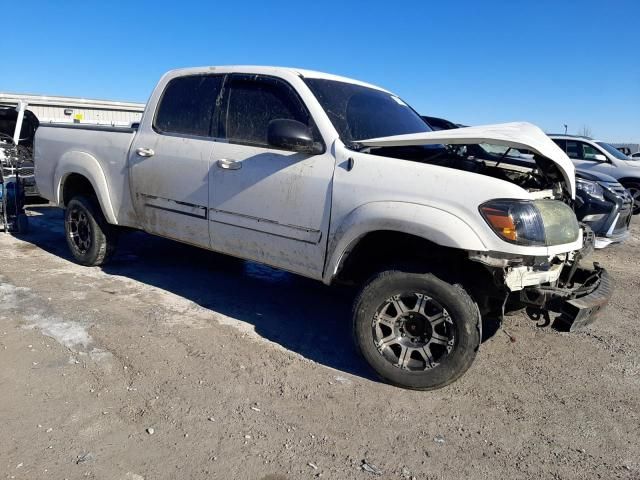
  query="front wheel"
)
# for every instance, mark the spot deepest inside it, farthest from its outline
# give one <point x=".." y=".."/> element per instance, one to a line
<point x="634" y="190"/>
<point x="91" y="239"/>
<point x="416" y="330"/>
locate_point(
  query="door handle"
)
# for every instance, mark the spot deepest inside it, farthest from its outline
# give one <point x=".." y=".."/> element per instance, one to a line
<point x="145" y="152"/>
<point x="229" y="164"/>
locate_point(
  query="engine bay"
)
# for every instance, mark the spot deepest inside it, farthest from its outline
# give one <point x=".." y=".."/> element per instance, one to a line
<point x="533" y="173"/>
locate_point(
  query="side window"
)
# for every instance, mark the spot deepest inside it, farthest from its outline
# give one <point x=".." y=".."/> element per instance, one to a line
<point x="589" y="152"/>
<point x="187" y="105"/>
<point x="572" y="149"/>
<point x="253" y="102"/>
<point x="561" y="143"/>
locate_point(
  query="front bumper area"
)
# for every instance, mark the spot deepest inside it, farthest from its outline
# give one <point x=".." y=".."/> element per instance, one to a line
<point x="578" y="300"/>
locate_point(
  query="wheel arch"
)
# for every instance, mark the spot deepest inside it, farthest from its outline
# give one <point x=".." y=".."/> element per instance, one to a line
<point x="415" y="228"/>
<point x="76" y="170"/>
<point x="624" y="180"/>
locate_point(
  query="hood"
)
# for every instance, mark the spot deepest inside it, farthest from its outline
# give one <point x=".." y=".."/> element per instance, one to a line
<point x="516" y="135"/>
<point x="594" y="176"/>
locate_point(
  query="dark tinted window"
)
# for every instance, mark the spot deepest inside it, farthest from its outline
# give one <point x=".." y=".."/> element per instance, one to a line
<point x="573" y="149"/>
<point x="359" y="113"/>
<point x="253" y="102"/>
<point x="561" y="143"/>
<point x="187" y="105"/>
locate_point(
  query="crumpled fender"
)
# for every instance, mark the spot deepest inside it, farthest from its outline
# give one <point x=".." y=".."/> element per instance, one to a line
<point x="88" y="166"/>
<point x="433" y="224"/>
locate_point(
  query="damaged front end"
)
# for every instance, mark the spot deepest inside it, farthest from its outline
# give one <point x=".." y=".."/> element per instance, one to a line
<point x="558" y="285"/>
<point x="578" y="296"/>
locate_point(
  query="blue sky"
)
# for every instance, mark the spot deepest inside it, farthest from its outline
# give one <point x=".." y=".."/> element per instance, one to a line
<point x="474" y="62"/>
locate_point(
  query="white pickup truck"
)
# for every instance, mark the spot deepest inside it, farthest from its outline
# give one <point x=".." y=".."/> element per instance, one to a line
<point x="339" y="181"/>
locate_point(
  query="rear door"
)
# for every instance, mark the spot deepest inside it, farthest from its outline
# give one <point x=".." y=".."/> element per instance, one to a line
<point x="267" y="204"/>
<point x="170" y="162"/>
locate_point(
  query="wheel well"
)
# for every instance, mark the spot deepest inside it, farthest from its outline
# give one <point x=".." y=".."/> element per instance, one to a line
<point x="629" y="180"/>
<point x="76" y="184"/>
<point x="381" y="249"/>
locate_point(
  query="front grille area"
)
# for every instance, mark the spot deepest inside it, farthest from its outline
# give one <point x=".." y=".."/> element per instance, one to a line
<point x="622" y="222"/>
<point x="616" y="188"/>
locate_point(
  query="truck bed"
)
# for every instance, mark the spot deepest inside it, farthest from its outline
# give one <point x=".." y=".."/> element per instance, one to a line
<point x="87" y="147"/>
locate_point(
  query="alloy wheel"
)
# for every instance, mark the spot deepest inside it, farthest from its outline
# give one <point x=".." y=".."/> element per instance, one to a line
<point x="79" y="229"/>
<point x="635" y="195"/>
<point x="413" y="331"/>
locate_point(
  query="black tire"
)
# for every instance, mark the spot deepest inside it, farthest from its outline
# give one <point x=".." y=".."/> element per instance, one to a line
<point x="461" y="329"/>
<point x="91" y="239"/>
<point x="634" y="189"/>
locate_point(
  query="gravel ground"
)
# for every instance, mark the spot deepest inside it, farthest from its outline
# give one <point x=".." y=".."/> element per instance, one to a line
<point x="176" y="363"/>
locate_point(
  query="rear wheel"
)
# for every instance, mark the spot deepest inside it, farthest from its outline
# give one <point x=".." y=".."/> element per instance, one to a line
<point x="91" y="239"/>
<point x="634" y="190"/>
<point x="416" y="330"/>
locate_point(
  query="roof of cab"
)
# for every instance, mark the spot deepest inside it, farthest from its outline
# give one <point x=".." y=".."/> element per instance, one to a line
<point x="272" y="70"/>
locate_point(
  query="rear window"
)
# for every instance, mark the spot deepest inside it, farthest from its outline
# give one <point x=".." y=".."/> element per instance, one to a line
<point x="188" y="104"/>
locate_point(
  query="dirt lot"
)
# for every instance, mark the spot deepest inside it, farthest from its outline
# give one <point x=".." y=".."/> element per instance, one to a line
<point x="175" y="363"/>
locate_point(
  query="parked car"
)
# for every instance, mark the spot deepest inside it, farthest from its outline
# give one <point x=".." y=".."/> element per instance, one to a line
<point x="605" y="205"/>
<point x="635" y="155"/>
<point x="339" y="181"/>
<point x="602" y="202"/>
<point x="593" y="155"/>
<point x="437" y="123"/>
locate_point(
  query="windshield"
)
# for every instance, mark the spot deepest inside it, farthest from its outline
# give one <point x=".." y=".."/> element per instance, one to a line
<point x="359" y="113"/>
<point x="613" y="151"/>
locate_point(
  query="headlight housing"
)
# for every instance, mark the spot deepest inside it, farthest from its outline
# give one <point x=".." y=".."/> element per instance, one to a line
<point x="592" y="189"/>
<point x="531" y="223"/>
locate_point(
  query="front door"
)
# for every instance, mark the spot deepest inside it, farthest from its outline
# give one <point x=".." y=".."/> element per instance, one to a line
<point x="170" y="162"/>
<point x="583" y="156"/>
<point x="267" y="204"/>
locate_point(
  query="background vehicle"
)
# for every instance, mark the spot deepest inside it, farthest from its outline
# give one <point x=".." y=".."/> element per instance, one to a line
<point x="338" y="181"/>
<point x="605" y="205"/>
<point x="8" y="120"/>
<point x="12" y="197"/>
<point x="601" y="202"/>
<point x="437" y="123"/>
<point x="589" y="154"/>
<point x="635" y="155"/>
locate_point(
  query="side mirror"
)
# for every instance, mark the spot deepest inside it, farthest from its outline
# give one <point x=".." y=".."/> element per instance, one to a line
<point x="600" y="157"/>
<point x="292" y="135"/>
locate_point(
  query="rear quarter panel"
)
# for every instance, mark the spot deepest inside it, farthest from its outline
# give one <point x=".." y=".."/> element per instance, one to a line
<point x="98" y="153"/>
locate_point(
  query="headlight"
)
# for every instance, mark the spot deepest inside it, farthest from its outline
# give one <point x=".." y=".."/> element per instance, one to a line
<point x="592" y="189"/>
<point x="532" y="223"/>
